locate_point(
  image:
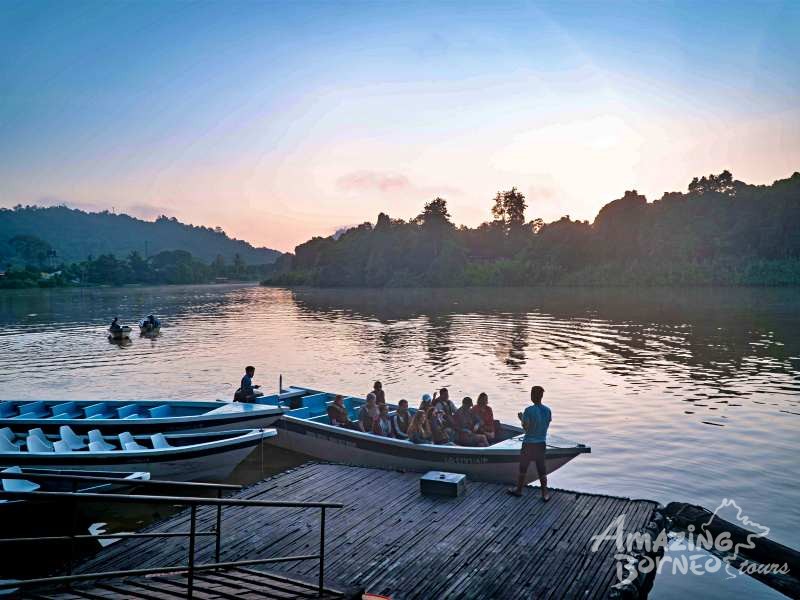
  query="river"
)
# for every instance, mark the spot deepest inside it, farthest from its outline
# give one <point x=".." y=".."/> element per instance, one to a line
<point x="690" y="395"/>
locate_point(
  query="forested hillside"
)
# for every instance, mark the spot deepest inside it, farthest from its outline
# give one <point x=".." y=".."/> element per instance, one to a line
<point x="75" y="235"/>
<point x="721" y="231"/>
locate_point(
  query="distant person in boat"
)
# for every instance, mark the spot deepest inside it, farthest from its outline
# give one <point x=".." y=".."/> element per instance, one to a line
<point x="115" y="326"/>
<point x="368" y="414"/>
<point x="383" y="425"/>
<point x="484" y="412"/>
<point x="442" y="429"/>
<point x="401" y="419"/>
<point x="468" y="425"/>
<point x="151" y="321"/>
<point x="419" y="430"/>
<point x="535" y="421"/>
<point x="337" y="414"/>
<point x="380" y="395"/>
<point x="443" y="398"/>
<point x="425" y="405"/>
<point x="246" y="391"/>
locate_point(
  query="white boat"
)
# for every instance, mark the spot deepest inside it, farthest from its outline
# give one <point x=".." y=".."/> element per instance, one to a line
<point x="119" y="333"/>
<point x="140" y="416"/>
<point x="306" y="429"/>
<point x="210" y="456"/>
<point x="149" y="328"/>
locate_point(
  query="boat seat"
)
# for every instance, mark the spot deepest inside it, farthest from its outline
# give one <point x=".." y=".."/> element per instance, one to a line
<point x="7" y="409"/>
<point x="37" y="445"/>
<point x="32" y="410"/>
<point x="72" y="439"/>
<point x="128" y="443"/>
<point x="159" y="441"/>
<point x="7" y="445"/>
<point x="160" y="412"/>
<point x="352" y="404"/>
<point x="100" y="447"/>
<point x="9" y="435"/>
<point x="39" y="434"/>
<point x="18" y="485"/>
<point x="316" y="403"/>
<point x="100" y="444"/>
<point x="61" y="446"/>
<point x="273" y="400"/>
<point x="96" y="411"/>
<point x="64" y="410"/>
<point x="129" y="411"/>
<point x="322" y="419"/>
<point x="300" y="413"/>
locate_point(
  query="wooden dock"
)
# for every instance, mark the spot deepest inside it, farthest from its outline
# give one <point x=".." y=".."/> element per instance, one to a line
<point x="391" y="540"/>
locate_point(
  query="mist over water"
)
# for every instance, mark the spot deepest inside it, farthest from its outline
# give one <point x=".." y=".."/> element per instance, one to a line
<point x="689" y="395"/>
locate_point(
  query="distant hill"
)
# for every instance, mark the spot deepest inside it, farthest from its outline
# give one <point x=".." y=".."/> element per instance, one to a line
<point x="75" y="235"/>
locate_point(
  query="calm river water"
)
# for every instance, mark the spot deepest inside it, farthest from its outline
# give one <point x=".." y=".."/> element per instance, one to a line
<point x="689" y="395"/>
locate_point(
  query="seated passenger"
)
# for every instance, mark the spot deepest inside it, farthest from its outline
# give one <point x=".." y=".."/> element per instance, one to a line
<point x="484" y="412"/>
<point x="380" y="395"/>
<point x="383" y="426"/>
<point x="337" y="414"/>
<point x="368" y="414"/>
<point x="467" y="425"/>
<point x="246" y="391"/>
<point x="426" y="402"/>
<point x="441" y="426"/>
<point x="444" y="401"/>
<point x="419" y="430"/>
<point x="400" y="421"/>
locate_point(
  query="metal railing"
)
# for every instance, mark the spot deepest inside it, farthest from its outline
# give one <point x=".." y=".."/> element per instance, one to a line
<point x="192" y="502"/>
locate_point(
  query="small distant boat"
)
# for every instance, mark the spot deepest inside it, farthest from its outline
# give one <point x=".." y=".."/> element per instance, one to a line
<point x="141" y="416"/>
<point x="306" y="429"/>
<point x="122" y="332"/>
<point x="208" y="456"/>
<point x="149" y="326"/>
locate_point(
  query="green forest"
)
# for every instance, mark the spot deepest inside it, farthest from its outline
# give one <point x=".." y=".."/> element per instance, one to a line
<point x="58" y="246"/>
<point x="721" y="231"/>
<point x="75" y="235"/>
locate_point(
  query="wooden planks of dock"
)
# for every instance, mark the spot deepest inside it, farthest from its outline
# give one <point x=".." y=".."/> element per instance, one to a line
<point x="391" y="540"/>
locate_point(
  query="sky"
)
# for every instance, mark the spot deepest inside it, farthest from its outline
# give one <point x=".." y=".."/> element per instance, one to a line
<point x="283" y="120"/>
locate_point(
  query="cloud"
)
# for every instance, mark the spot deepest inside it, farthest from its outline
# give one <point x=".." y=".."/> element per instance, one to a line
<point x="359" y="181"/>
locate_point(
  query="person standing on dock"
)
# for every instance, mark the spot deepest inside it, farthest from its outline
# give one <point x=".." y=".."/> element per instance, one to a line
<point x="535" y="421"/>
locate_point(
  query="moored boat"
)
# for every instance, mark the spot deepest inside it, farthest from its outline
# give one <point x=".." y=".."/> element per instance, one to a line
<point x="306" y="429"/>
<point x="141" y="416"/>
<point x="209" y="456"/>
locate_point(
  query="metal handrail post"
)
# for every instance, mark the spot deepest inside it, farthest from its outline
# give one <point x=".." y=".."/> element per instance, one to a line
<point x="321" y="589"/>
<point x="73" y="524"/>
<point x="192" y="526"/>
<point x="219" y="528"/>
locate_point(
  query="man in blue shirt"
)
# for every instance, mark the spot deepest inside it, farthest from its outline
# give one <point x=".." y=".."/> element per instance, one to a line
<point x="535" y="421"/>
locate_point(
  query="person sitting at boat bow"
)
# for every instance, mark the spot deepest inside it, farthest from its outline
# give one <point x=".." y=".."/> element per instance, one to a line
<point x="337" y="414"/>
<point x="115" y="326"/>
<point x="368" y="414"/>
<point x="468" y="424"/>
<point x="400" y="420"/>
<point x="484" y="412"/>
<point x="383" y="425"/>
<point x="246" y="391"/>
<point x="535" y="421"/>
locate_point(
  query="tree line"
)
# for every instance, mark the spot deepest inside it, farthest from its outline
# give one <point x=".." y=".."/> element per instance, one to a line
<point x="721" y="231"/>
<point x="168" y="267"/>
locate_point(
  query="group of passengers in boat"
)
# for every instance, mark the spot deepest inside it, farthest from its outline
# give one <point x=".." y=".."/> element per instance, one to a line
<point x="436" y="421"/>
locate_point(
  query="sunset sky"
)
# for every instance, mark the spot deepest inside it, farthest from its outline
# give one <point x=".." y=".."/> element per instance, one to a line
<point x="283" y="120"/>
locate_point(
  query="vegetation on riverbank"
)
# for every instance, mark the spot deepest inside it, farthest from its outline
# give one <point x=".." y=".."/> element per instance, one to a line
<point x="168" y="267"/>
<point x="720" y="232"/>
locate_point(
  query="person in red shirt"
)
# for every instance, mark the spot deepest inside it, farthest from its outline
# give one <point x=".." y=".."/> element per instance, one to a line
<point x="483" y="411"/>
